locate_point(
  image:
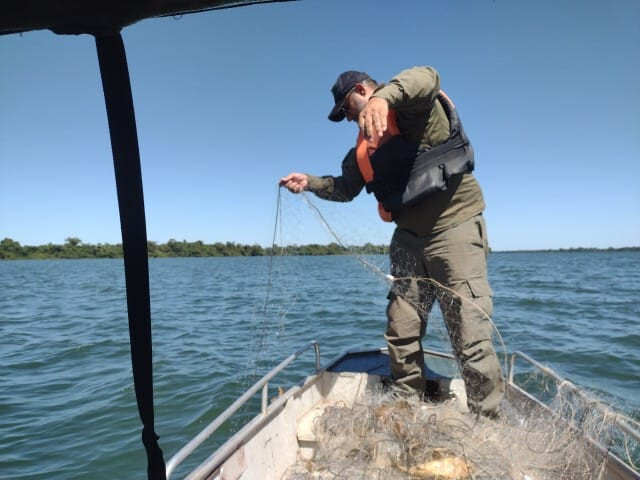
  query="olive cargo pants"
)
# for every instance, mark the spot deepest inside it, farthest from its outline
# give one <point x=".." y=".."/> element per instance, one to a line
<point x="457" y="259"/>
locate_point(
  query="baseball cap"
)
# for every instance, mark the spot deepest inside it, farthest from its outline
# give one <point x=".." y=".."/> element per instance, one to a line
<point x="345" y="82"/>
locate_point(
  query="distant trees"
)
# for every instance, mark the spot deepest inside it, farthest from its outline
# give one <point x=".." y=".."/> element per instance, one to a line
<point x="75" y="248"/>
<point x="72" y="248"/>
<point x="72" y="241"/>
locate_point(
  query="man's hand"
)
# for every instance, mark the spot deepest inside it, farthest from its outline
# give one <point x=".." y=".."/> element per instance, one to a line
<point x="373" y="117"/>
<point x="295" y="182"/>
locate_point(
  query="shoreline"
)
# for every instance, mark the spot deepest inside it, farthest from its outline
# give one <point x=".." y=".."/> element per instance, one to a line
<point x="75" y="249"/>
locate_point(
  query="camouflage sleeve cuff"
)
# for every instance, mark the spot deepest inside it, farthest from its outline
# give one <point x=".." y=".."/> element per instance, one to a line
<point x="318" y="184"/>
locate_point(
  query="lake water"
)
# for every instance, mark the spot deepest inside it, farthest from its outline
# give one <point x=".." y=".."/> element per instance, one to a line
<point x="67" y="405"/>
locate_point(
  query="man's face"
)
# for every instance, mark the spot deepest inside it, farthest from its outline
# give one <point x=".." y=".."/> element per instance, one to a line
<point x="356" y="101"/>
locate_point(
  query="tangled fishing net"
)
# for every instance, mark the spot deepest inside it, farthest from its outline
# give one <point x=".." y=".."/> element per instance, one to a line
<point x="390" y="435"/>
<point x="394" y="434"/>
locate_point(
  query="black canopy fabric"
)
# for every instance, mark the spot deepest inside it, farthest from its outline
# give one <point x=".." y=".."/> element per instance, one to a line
<point x="104" y="19"/>
<point x="99" y="16"/>
<point x="126" y="162"/>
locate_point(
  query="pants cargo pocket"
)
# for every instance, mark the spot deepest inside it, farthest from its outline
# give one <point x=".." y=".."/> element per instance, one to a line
<point x="479" y="287"/>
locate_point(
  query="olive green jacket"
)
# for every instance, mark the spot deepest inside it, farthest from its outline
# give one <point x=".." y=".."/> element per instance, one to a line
<point x="422" y="120"/>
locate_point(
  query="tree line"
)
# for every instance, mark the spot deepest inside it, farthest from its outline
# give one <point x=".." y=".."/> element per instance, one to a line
<point x="75" y="248"/>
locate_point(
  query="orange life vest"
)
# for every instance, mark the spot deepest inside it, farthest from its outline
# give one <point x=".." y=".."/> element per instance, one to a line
<point x="365" y="148"/>
<point x="399" y="175"/>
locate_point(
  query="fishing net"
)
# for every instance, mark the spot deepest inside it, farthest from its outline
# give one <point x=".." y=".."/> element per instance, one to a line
<point x="390" y="435"/>
<point x="393" y="433"/>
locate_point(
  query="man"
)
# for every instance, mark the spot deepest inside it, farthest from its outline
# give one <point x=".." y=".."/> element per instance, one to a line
<point x="412" y="153"/>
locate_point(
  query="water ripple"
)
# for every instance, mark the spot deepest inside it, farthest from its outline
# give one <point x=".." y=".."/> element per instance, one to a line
<point x="66" y="394"/>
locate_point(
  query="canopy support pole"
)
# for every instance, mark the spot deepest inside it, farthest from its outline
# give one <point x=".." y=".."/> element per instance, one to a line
<point x="126" y="161"/>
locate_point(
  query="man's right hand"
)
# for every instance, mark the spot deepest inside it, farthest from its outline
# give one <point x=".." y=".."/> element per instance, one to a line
<point x="295" y="182"/>
<point x="373" y="118"/>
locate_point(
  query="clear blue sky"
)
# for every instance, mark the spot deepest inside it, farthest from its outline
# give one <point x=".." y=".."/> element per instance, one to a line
<point x="227" y="102"/>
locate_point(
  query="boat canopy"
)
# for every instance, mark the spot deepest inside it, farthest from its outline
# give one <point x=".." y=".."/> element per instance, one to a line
<point x="99" y="16"/>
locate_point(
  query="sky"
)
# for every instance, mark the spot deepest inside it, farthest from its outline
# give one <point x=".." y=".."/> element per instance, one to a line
<point x="229" y="101"/>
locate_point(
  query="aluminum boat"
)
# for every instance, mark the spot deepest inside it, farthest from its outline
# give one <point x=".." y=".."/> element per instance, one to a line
<point x="282" y="433"/>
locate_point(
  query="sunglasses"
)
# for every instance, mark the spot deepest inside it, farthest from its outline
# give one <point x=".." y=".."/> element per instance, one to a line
<point x="345" y="105"/>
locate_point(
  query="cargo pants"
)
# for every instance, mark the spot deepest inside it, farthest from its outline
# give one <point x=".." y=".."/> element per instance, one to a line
<point x="456" y="259"/>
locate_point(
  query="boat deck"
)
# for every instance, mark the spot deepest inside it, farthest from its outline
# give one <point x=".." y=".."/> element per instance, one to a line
<point x="285" y="433"/>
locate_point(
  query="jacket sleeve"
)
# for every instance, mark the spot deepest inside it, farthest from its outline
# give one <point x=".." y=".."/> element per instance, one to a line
<point x="339" y="189"/>
<point x="411" y="89"/>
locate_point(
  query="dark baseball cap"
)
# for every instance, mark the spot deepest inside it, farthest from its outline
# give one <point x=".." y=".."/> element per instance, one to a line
<point x="345" y="82"/>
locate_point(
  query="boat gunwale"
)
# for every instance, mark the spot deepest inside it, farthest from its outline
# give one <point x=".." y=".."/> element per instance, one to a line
<point x="217" y="459"/>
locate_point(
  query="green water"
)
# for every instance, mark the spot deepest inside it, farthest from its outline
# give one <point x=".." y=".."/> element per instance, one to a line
<point x="67" y="405"/>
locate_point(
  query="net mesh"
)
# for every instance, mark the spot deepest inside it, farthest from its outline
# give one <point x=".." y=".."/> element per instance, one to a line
<point x="395" y="434"/>
<point x="392" y="435"/>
